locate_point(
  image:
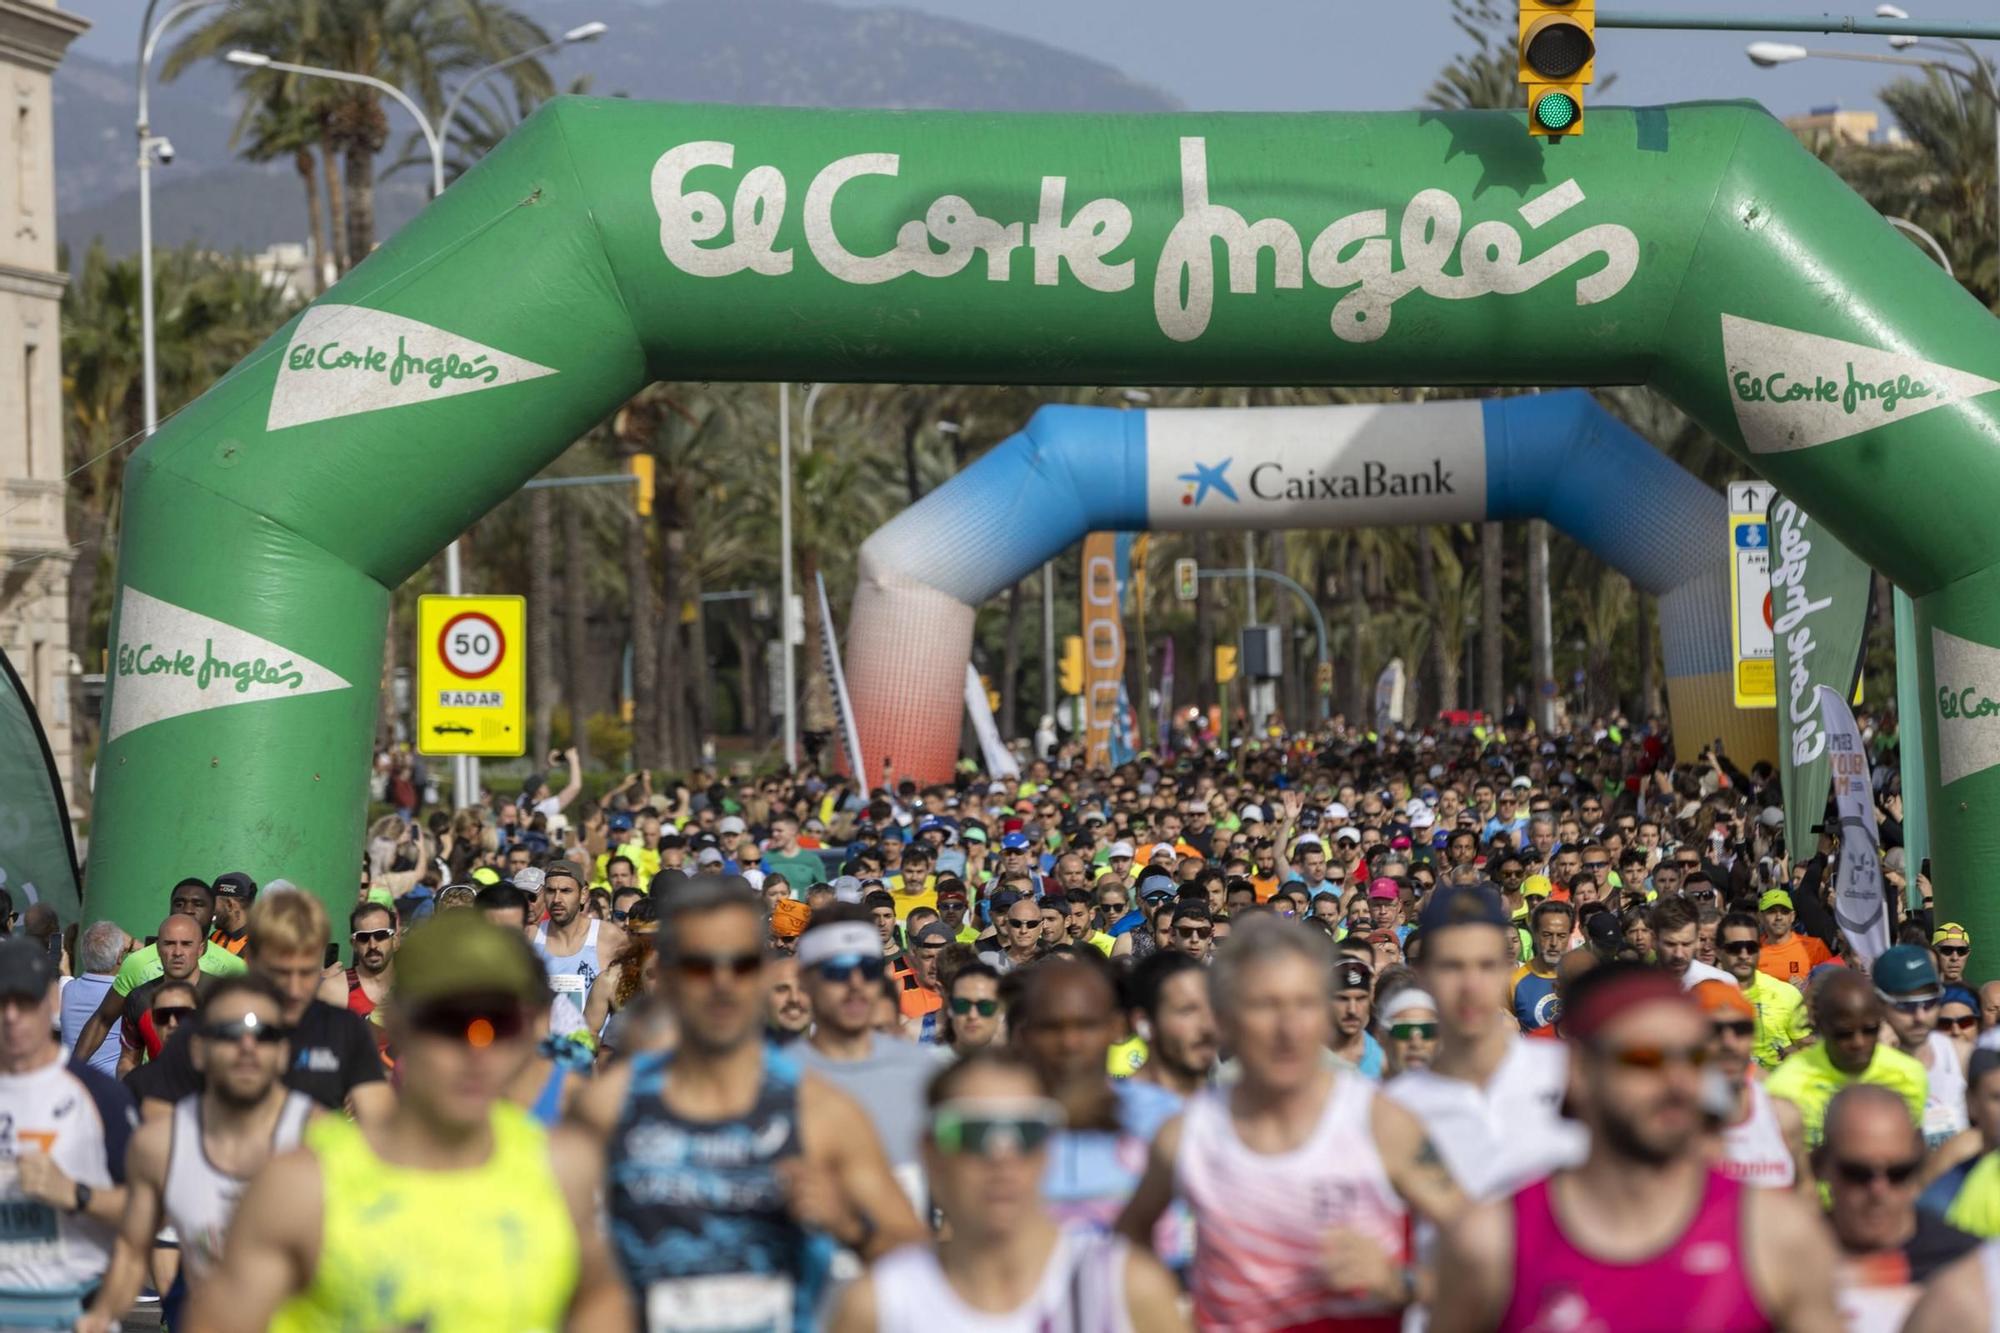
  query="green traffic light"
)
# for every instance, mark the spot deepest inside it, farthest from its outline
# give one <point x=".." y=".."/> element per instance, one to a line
<point x="1556" y="111"/>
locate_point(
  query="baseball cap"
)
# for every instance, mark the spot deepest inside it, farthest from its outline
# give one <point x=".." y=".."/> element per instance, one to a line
<point x="1252" y="814"/>
<point x="1014" y="842"/>
<point x="1775" y="898"/>
<point x="1124" y="849"/>
<point x="1537" y="886"/>
<point x="731" y="824"/>
<point x="570" y="868"/>
<point x="1905" y="972"/>
<point x="462" y="953"/>
<point x="1335" y="810"/>
<point x="1462" y="905"/>
<point x="931" y="932"/>
<point x="1520" y="784"/>
<point x="973" y="833"/>
<point x="619" y="821"/>
<point x="1771" y="816"/>
<point x="1948" y="933"/>
<point x="1604" y="932"/>
<point x="708" y="856"/>
<point x="1156" y="886"/>
<point x="1340" y="835"/>
<point x="527" y="879"/>
<point x="846" y="889"/>
<point x="1353" y="974"/>
<point x="1422" y="819"/>
<point x="235" y="884"/>
<point x="26" y="969"/>
<point x="1158" y="850"/>
<point x="484" y="875"/>
<point x="1722" y="997"/>
<point x="1382" y="890"/>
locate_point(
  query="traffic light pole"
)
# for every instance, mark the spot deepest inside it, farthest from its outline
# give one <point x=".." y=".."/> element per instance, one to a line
<point x="1868" y="27"/>
<point x="1283" y="581"/>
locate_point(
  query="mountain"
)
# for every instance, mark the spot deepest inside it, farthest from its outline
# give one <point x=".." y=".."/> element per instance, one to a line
<point x="771" y="52"/>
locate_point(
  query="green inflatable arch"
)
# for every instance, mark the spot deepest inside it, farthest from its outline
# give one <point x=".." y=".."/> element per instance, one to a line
<point x="608" y="243"/>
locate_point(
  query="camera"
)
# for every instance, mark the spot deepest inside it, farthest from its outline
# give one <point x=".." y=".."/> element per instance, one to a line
<point x="163" y="148"/>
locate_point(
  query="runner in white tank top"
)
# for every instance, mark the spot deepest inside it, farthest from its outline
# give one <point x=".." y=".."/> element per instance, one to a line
<point x="1303" y="1182"/>
<point x="1754" y="1149"/>
<point x="1260" y="1219"/>
<point x="199" y="1199"/>
<point x="1082" y="1291"/>
<point x="1944" y="1097"/>
<point x="571" y="974"/>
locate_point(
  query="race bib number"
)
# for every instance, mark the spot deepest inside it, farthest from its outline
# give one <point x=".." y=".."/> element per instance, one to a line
<point x="29" y="1235"/>
<point x="569" y="983"/>
<point x="725" y="1303"/>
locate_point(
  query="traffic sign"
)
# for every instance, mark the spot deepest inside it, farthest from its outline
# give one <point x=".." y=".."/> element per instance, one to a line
<point x="1754" y="681"/>
<point x="472" y="695"/>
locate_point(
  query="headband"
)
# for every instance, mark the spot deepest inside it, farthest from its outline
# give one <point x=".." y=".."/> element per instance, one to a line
<point x="841" y="939"/>
<point x="1403" y="1001"/>
<point x="1611" y="1000"/>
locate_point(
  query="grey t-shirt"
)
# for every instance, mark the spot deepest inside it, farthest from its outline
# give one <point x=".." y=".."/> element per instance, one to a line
<point x="889" y="1083"/>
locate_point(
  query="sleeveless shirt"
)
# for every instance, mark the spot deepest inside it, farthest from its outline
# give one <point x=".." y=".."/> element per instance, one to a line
<point x="1082" y="1290"/>
<point x="1259" y="1217"/>
<point x="698" y="1214"/>
<point x="489" y="1249"/>
<point x="200" y="1198"/>
<point x="1755" y="1152"/>
<point x="570" y="977"/>
<point x="1696" y="1282"/>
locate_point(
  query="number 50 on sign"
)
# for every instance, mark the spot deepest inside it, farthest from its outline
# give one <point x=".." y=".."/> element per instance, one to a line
<point x="472" y="676"/>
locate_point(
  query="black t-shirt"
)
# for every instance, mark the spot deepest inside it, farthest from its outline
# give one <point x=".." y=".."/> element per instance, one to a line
<point x="333" y="1053"/>
<point x="1935" y="1244"/>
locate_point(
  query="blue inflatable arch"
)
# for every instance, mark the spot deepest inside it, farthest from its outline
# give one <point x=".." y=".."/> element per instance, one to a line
<point x="1074" y="470"/>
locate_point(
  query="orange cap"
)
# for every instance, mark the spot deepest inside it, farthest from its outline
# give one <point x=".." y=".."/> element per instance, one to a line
<point x="1722" y="997"/>
<point x="789" y="917"/>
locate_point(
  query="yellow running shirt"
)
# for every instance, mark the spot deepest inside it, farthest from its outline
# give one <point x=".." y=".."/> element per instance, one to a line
<point x="486" y="1250"/>
<point x="1808" y="1080"/>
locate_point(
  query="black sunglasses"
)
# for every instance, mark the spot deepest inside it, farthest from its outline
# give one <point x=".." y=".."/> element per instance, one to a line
<point x="1867" y="1173"/>
<point x="173" y="1013"/>
<point x="1739" y="946"/>
<point x="708" y="966"/>
<point x="1953" y="950"/>
<point x="264" y="1034"/>
<point x="1741" y="1027"/>
<point x="475" y="1024"/>
<point x="961" y="1006"/>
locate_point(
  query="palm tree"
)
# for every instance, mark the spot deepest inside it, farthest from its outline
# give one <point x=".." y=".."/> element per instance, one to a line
<point x="417" y="45"/>
<point x="279" y="127"/>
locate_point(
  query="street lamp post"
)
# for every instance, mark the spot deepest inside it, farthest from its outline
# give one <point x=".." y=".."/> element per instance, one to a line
<point x="787" y="674"/>
<point x="1769" y="55"/>
<point x="151" y="145"/>
<point x="464" y="768"/>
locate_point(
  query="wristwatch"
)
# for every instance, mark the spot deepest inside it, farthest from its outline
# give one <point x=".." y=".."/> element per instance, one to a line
<point x="83" y="1196"/>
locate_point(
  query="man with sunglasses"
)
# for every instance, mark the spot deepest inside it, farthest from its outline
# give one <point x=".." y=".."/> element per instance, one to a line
<point x="972" y="1009"/>
<point x="374" y="932"/>
<point x="179" y="944"/>
<point x="884" y="1074"/>
<point x="730" y="1166"/>
<point x="1761" y="1137"/>
<point x="1953" y="945"/>
<point x="1782" y="1021"/>
<point x="1909" y="987"/>
<point x="190" y="898"/>
<point x="187" y="1170"/>
<point x="1848" y="1013"/>
<point x="1017" y="927"/>
<point x="1889" y="1249"/>
<point x="1566" y="1251"/>
<point x="457" y="1211"/>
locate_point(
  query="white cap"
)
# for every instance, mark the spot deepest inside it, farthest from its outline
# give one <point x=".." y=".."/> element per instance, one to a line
<point x="1348" y="834"/>
<point x="1308" y="840"/>
<point x="1414" y="807"/>
<point x="708" y="856"/>
<point x="1252" y="814"/>
<point x="1124" y="849"/>
<point x="1336" y="811"/>
<point x="1422" y="818"/>
<point x="1437" y="771"/>
<point x="1159" y="849"/>
<point x="732" y="824"/>
<point x="1521" y="783"/>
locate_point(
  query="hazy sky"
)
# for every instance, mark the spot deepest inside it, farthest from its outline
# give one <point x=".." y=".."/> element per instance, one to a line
<point x="1303" y="55"/>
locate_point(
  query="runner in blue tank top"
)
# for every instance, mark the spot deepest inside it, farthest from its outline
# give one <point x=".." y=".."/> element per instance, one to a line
<point x="730" y="1174"/>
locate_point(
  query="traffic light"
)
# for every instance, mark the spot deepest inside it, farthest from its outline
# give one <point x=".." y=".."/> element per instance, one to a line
<point x="1072" y="664"/>
<point x="641" y="466"/>
<point x="1558" y="55"/>
<point x="1225" y="663"/>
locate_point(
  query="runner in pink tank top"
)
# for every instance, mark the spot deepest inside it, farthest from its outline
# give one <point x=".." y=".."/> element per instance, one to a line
<point x="1697" y="1282"/>
<point x="1644" y="1236"/>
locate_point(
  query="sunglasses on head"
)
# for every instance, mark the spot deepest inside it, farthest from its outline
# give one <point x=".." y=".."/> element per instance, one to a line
<point x="988" y="1127"/>
<point x="473" y="1022"/>
<point x="251" y="1026"/>
<point x="1655" y="1058"/>
<point x="1405" y="1031"/>
<point x="841" y="968"/>
<point x="373" y="936"/>
<point x="1867" y="1173"/>
<point x="963" y="1005"/>
<point x="709" y="966"/>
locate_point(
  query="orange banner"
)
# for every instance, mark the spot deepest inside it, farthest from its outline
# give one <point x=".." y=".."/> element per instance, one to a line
<point x="1103" y="644"/>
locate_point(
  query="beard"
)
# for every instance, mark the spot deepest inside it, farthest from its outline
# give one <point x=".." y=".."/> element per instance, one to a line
<point x="1624" y="1137"/>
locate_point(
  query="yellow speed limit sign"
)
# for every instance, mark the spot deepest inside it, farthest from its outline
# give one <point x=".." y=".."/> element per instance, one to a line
<point x="472" y="695"/>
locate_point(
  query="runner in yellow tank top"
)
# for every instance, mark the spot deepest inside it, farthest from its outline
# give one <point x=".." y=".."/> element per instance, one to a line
<point x="458" y="1215"/>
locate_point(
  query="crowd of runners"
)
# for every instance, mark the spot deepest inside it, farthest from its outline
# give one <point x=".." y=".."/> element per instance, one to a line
<point x="1463" y="1031"/>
